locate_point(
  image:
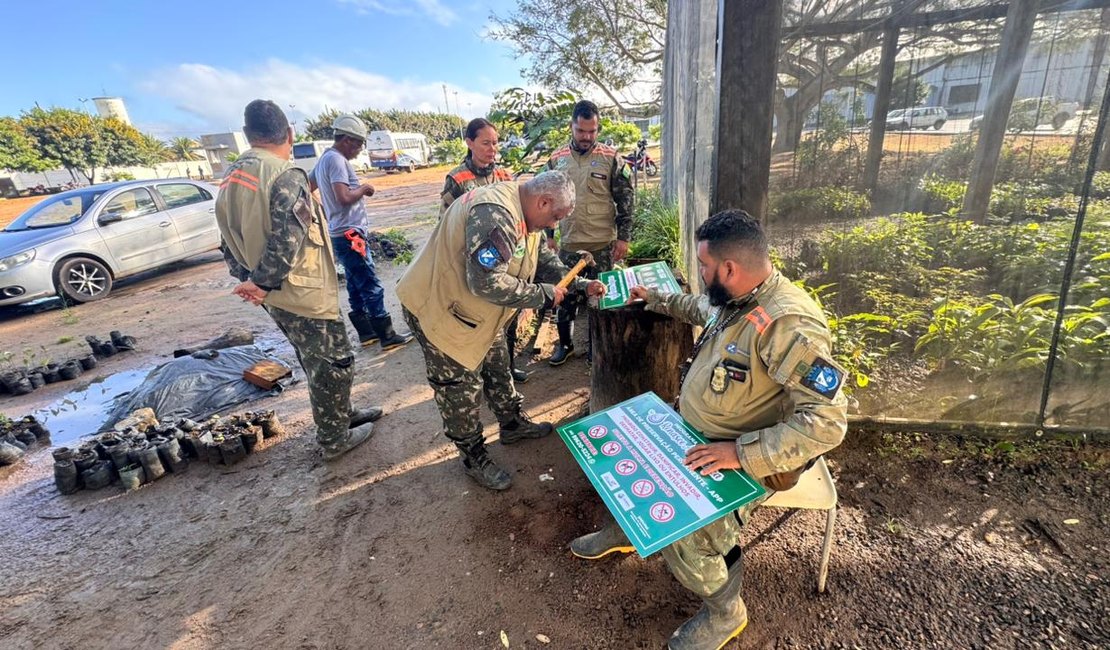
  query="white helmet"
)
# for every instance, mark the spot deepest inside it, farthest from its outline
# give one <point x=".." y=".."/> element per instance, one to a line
<point x="350" y="125"/>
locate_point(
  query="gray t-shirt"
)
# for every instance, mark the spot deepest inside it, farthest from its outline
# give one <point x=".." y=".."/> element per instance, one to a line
<point x="334" y="168"/>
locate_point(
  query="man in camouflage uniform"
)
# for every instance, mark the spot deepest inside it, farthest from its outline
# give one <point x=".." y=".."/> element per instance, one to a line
<point x="760" y="378"/>
<point x="478" y="267"/>
<point x="602" y="219"/>
<point x="477" y="169"/>
<point x="275" y="242"/>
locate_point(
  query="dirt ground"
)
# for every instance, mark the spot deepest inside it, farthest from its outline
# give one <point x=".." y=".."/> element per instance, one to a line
<point x="938" y="544"/>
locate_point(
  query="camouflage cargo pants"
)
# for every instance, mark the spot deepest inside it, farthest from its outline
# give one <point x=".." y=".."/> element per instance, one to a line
<point x="457" y="389"/>
<point x="603" y="261"/>
<point x="698" y="560"/>
<point x="325" y="354"/>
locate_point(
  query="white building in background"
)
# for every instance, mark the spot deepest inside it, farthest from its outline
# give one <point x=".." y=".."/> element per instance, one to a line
<point x="112" y="107"/>
<point x="217" y="146"/>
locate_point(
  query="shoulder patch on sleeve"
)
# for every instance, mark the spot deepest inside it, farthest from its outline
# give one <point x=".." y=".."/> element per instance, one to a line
<point x="493" y="251"/>
<point x="807" y="367"/>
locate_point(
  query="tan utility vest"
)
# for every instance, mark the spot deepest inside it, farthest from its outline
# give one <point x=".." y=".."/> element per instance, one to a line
<point x="459" y="323"/>
<point x="760" y="401"/>
<point x="243" y="214"/>
<point x="593" y="224"/>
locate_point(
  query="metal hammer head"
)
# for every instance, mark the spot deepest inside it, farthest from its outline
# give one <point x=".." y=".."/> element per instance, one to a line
<point x="588" y="256"/>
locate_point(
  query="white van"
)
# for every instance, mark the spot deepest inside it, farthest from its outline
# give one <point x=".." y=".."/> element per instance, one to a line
<point x="307" y="154"/>
<point x="398" y="151"/>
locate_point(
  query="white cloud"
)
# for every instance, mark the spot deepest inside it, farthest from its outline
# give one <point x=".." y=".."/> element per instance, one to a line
<point x="433" y="9"/>
<point x="216" y="96"/>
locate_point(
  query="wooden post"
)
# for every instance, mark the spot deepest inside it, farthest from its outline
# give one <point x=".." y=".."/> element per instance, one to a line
<point x="882" y="107"/>
<point x="1020" y="17"/>
<point x="749" y="45"/>
<point x="634" y="351"/>
<point x="689" y="114"/>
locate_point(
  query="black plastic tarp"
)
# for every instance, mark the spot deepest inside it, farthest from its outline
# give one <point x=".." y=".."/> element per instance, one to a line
<point x="195" y="386"/>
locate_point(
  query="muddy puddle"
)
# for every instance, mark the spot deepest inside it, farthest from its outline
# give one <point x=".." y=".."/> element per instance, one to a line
<point x="83" y="412"/>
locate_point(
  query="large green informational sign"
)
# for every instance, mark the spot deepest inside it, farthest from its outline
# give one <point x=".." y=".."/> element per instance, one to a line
<point x="633" y="452"/>
<point x="619" y="284"/>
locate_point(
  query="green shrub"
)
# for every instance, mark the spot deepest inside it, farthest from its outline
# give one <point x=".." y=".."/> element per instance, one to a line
<point x="820" y="204"/>
<point x="942" y="195"/>
<point x="451" y="151"/>
<point x="656" y="232"/>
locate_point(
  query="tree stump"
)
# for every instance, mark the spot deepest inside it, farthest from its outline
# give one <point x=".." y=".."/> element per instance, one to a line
<point x="634" y="351"/>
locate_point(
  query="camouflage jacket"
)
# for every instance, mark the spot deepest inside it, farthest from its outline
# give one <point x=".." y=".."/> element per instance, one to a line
<point x="763" y="376"/>
<point x="467" y="176"/>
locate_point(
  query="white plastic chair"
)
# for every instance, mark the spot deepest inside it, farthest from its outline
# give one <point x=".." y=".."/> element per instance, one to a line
<point x="815" y="491"/>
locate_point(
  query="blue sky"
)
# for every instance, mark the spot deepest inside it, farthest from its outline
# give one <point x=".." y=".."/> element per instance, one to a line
<point x="188" y="68"/>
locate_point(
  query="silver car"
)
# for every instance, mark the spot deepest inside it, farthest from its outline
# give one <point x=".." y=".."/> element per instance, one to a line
<point x="77" y="243"/>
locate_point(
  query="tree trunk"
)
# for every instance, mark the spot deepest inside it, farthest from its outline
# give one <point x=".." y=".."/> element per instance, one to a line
<point x="634" y="351"/>
<point x="790" y="126"/>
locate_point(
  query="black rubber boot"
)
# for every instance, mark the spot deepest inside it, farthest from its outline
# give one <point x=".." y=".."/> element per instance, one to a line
<point x="519" y="427"/>
<point x="480" y="467"/>
<point x="722" y="618"/>
<point x="362" y="416"/>
<point x="355" y="437"/>
<point x="594" y="546"/>
<point x="564" y="347"/>
<point x="389" y="339"/>
<point x="361" y="321"/>
<point x="519" y="376"/>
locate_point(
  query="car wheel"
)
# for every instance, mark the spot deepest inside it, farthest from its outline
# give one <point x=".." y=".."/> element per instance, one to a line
<point x="410" y="169"/>
<point x="80" y="279"/>
<point x="938" y="125"/>
<point x="1059" y="120"/>
<point x="904" y="126"/>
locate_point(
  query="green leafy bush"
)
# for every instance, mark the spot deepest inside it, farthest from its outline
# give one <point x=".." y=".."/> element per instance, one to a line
<point x="941" y="194"/>
<point x="656" y="232"/>
<point x="820" y="204"/>
<point x="451" y="151"/>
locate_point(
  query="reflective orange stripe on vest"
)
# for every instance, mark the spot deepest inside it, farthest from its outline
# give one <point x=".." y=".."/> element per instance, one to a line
<point x="463" y="176"/>
<point x="760" y="318"/>
<point x="241" y="177"/>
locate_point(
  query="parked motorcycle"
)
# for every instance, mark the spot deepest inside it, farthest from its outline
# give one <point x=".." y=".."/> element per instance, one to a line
<point x="640" y="160"/>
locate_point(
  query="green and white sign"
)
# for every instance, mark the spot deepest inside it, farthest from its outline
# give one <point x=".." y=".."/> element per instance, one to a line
<point x="619" y="284"/>
<point x="633" y="452"/>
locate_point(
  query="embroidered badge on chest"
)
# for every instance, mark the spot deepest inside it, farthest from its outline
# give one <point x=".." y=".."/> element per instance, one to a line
<point x="731" y="347"/>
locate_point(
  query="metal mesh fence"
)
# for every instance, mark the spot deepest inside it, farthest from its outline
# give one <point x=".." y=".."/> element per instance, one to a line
<point x="942" y="312"/>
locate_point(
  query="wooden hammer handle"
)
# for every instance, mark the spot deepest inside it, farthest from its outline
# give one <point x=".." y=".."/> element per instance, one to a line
<point x="572" y="273"/>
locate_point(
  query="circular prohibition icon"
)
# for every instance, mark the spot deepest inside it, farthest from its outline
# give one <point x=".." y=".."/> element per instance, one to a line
<point x="662" y="512"/>
<point x="625" y="467"/>
<point x="597" y="431"/>
<point x="643" y="488"/>
<point x="611" y="448"/>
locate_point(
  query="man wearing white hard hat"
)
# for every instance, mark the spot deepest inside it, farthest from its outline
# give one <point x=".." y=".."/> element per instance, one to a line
<point x="341" y="193"/>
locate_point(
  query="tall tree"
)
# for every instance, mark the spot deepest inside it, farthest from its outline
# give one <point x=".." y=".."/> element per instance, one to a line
<point x="81" y="142"/>
<point x="19" y="151"/>
<point x="183" y="148"/>
<point x="612" y="47"/>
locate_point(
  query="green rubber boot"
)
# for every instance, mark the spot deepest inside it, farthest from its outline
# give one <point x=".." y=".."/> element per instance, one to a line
<point x="721" y="619"/>
<point x="594" y="546"/>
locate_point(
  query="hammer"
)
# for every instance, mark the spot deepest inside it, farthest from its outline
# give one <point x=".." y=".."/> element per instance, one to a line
<point x="585" y="259"/>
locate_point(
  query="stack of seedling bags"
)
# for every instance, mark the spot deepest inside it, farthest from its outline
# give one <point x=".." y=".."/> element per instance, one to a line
<point x="141" y="450"/>
<point x="17" y="435"/>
